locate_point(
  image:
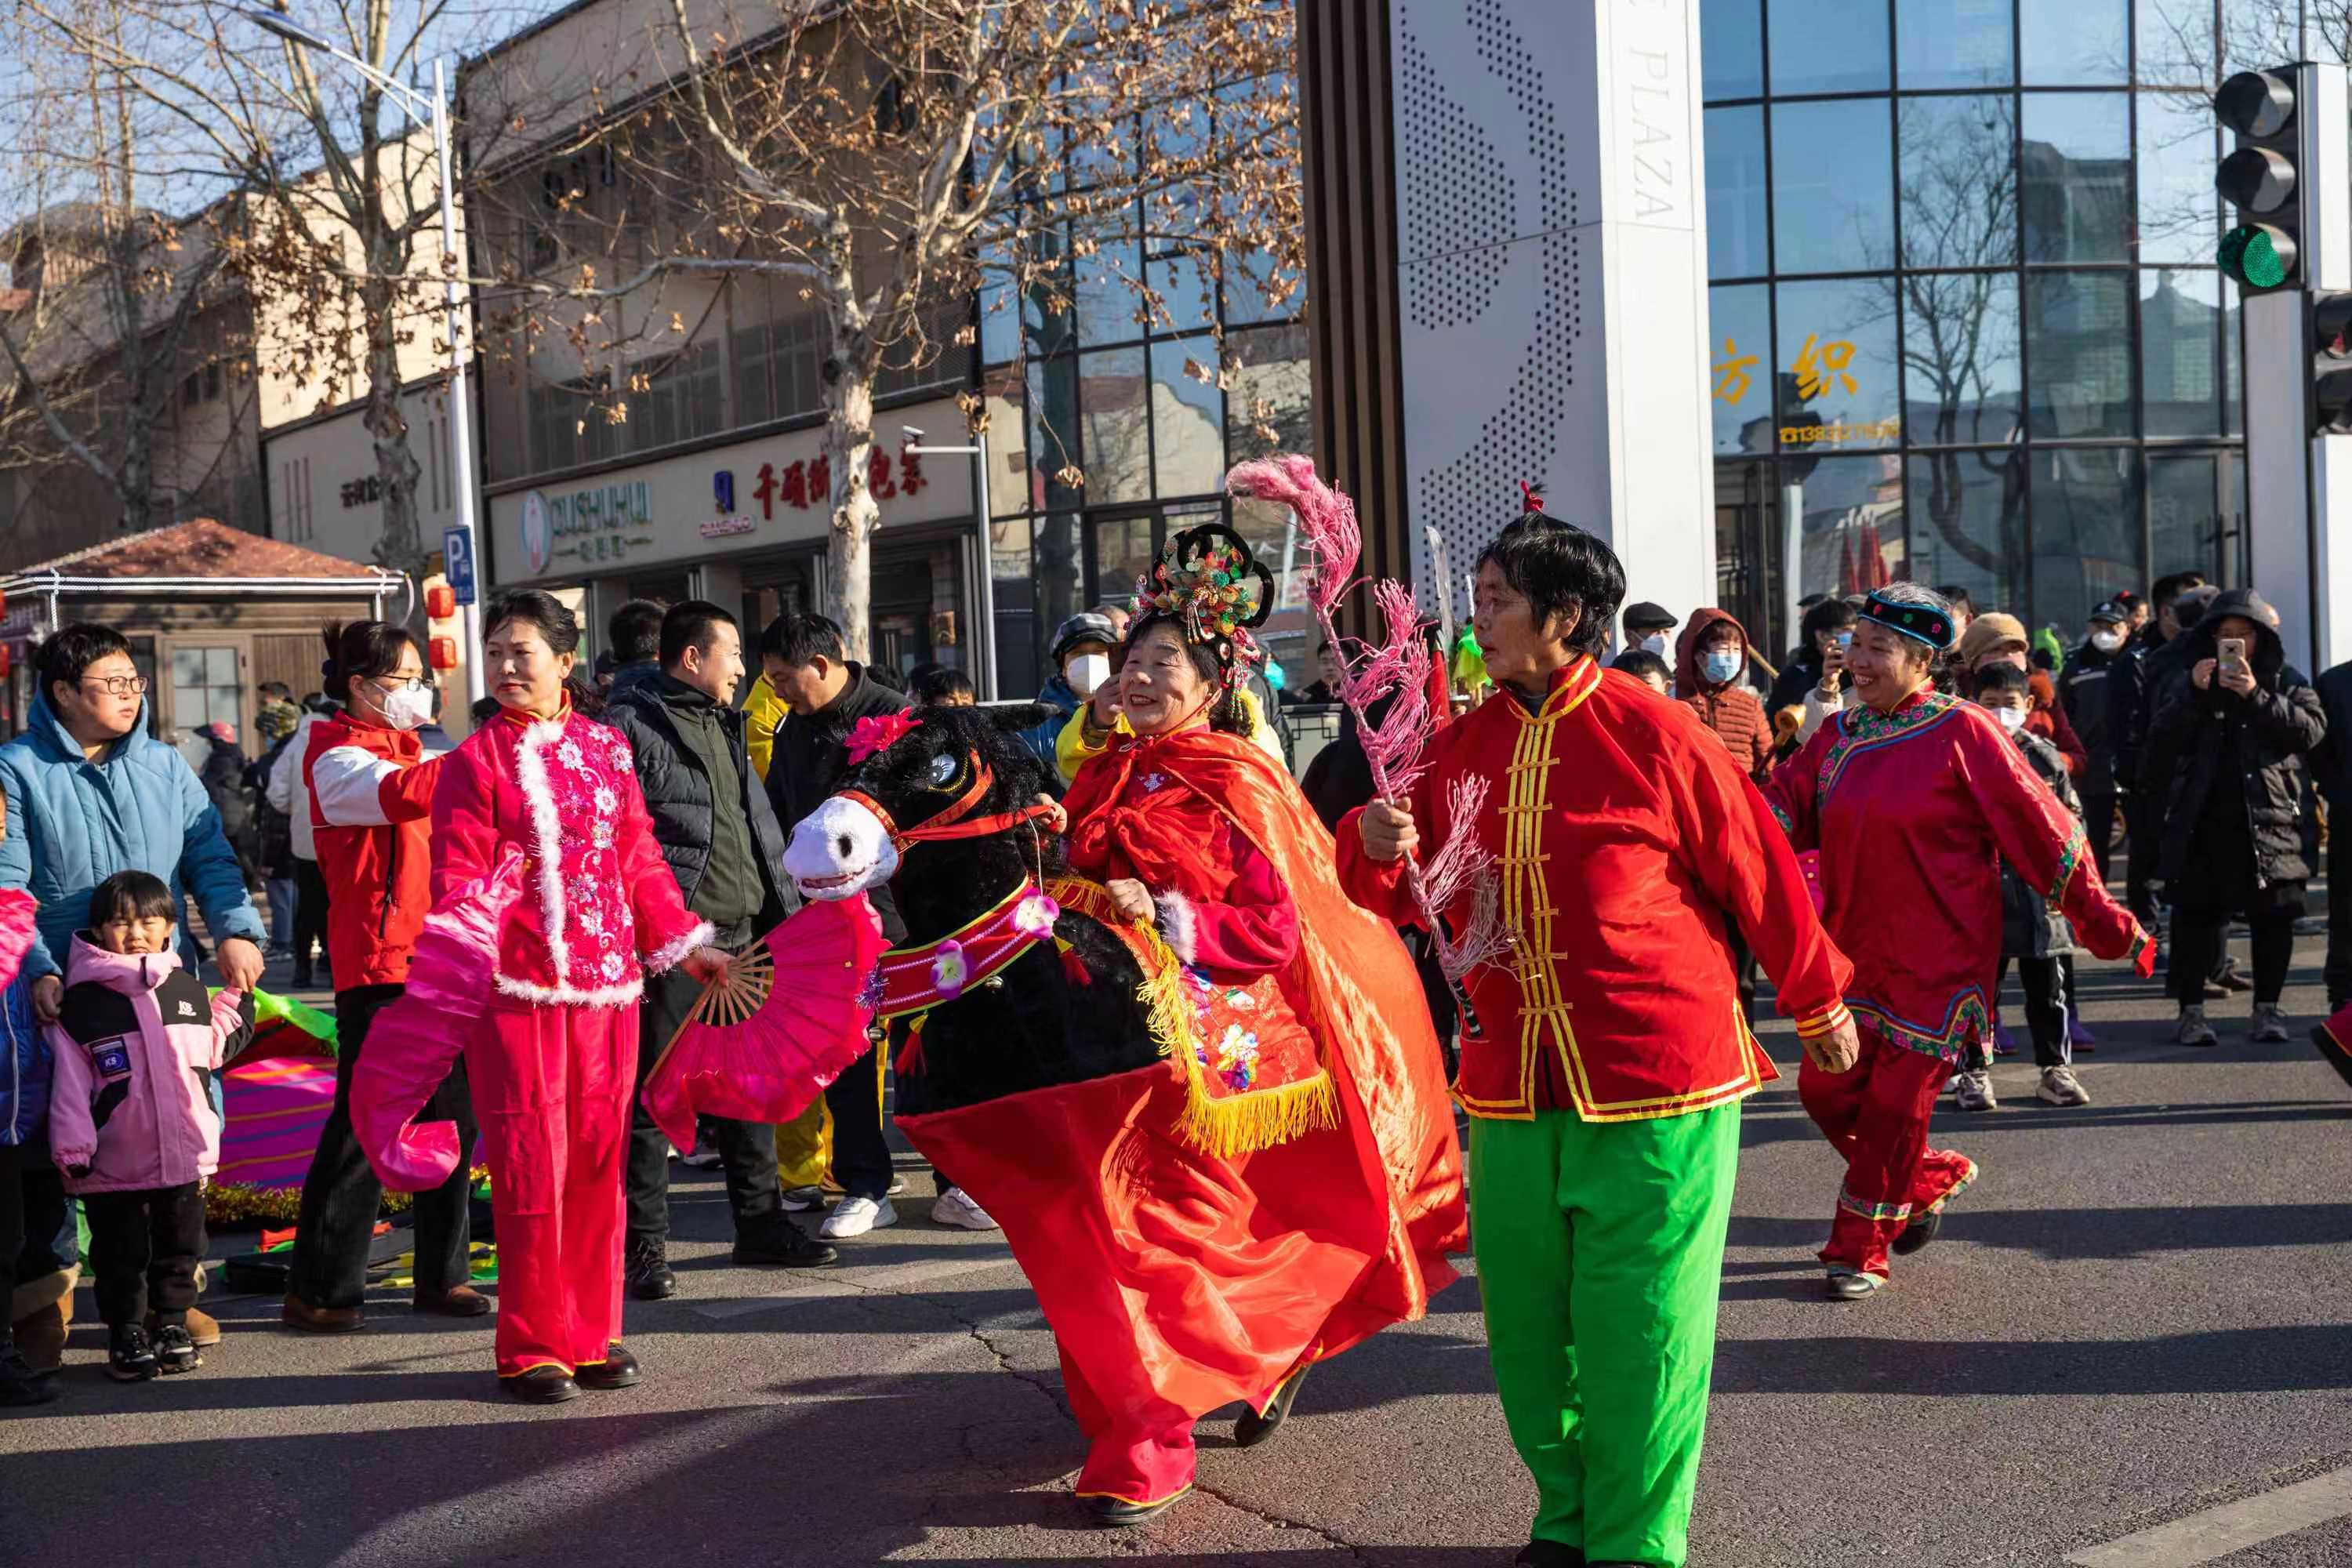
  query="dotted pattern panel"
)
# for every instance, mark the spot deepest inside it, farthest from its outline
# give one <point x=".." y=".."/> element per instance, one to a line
<point x="1469" y="494"/>
<point x="1459" y="201"/>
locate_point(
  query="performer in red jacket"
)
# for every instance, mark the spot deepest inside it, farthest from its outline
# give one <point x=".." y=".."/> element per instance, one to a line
<point x="1604" y="1057"/>
<point x="1914" y="798"/>
<point x="554" y="1063"/>
<point x="370" y="793"/>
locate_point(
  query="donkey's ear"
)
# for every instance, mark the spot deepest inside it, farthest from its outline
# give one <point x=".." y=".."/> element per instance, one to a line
<point x="1018" y="716"/>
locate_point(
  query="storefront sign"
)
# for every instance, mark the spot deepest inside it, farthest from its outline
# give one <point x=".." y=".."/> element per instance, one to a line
<point x="361" y="492"/>
<point x="601" y="522"/>
<point x="728" y="527"/>
<point x="1819" y="368"/>
<point x="806" y="483"/>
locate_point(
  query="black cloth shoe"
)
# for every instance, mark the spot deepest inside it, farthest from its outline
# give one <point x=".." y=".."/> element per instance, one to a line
<point x="130" y="1358"/>
<point x="784" y="1245"/>
<point x="175" y="1351"/>
<point x="619" y="1369"/>
<point x="1549" y="1554"/>
<point x="1253" y="1428"/>
<point x="1849" y="1287"/>
<point x="1917" y="1233"/>
<point x="541" y="1386"/>
<point x="1117" y="1513"/>
<point x="648" y="1274"/>
<point x="20" y="1386"/>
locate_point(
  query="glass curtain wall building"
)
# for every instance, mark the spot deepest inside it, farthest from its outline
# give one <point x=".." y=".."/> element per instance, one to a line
<point x="1965" y="324"/>
<point x="1107" y="432"/>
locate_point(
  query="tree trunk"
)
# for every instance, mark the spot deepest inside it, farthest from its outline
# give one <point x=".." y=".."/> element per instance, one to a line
<point x="850" y="363"/>
<point x="401" y="546"/>
<point x="849" y="454"/>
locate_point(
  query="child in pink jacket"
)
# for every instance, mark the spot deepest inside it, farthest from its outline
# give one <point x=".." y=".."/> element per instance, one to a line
<point x="130" y="1117"/>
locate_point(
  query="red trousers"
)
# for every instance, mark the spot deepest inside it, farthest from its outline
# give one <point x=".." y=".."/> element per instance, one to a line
<point x="1137" y="1455"/>
<point x="552" y="1085"/>
<point x="1875" y="1116"/>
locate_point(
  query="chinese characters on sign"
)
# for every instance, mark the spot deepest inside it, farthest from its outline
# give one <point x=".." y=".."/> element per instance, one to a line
<point x="807" y="482"/>
<point x="1819" y="367"/>
<point x="360" y="492"/>
<point x="603" y="523"/>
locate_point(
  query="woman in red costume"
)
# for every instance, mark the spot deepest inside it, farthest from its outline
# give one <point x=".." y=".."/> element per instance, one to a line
<point x="1914" y="798"/>
<point x="554" y="1062"/>
<point x="1313" y="1183"/>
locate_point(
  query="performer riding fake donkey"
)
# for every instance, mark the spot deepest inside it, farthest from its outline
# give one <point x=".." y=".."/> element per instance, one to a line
<point x="1198" y="1230"/>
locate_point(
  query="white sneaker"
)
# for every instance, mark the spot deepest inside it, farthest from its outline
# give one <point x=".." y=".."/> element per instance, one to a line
<point x="855" y="1216"/>
<point x="2060" y="1087"/>
<point x="955" y="1207"/>
<point x="1976" y="1091"/>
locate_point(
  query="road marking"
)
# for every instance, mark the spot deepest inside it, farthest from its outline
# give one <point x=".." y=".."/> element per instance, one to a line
<point x="2233" y="1527"/>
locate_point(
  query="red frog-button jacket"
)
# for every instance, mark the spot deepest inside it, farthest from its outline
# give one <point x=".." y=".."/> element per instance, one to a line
<point x="1629" y="840"/>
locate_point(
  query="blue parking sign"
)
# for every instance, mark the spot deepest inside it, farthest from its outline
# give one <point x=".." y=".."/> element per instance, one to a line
<point x="457" y="560"/>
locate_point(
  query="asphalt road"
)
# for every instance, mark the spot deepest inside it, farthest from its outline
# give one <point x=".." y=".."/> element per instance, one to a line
<point x="2135" y="1318"/>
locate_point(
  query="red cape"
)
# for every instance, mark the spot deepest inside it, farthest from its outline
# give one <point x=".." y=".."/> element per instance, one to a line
<point x="1178" y="1282"/>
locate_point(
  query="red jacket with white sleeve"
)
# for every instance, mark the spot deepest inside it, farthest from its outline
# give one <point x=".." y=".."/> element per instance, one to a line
<point x="371" y="796"/>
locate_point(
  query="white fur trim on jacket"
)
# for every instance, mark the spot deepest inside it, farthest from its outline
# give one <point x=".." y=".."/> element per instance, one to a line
<point x="620" y="995"/>
<point x="666" y="956"/>
<point x="547" y="846"/>
<point x="1176" y="924"/>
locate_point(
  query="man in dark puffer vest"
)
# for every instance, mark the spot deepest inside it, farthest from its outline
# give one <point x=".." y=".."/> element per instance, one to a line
<point x="719" y="834"/>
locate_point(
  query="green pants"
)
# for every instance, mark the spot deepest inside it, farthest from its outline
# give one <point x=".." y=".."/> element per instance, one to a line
<point x="1600" y="1258"/>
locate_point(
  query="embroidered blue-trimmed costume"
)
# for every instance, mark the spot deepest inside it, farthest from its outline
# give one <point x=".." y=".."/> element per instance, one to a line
<point x="1913" y="811"/>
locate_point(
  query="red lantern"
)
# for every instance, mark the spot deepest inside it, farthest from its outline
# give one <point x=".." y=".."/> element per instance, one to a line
<point x="440" y="601"/>
<point x="444" y="653"/>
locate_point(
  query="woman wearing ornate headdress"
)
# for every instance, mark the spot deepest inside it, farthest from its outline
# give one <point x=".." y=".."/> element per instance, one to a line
<point x="1914" y="799"/>
<point x="1316" y="1163"/>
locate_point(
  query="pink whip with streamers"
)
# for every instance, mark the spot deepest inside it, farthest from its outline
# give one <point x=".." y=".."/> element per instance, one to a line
<point x="1398" y="664"/>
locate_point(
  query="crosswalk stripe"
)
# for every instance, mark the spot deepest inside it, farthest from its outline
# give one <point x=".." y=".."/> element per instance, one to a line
<point x="2233" y="1527"/>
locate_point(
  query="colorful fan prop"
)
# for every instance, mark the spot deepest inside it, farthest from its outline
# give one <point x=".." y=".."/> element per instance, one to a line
<point x="784" y="1022"/>
<point x="1398" y="667"/>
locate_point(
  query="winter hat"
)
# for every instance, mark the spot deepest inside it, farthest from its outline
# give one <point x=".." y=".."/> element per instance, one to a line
<point x="276" y="720"/>
<point x="1084" y="628"/>
<point x="1644" y="616"/>
<point x="1989" y="633"/>
<point x="224" y="731"/>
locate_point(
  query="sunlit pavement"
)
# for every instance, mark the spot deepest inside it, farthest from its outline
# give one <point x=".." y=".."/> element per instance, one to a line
<point x="2135" y="1318"/>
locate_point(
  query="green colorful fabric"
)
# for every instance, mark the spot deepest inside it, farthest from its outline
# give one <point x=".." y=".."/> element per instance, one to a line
<point x="1599" y="1259"/>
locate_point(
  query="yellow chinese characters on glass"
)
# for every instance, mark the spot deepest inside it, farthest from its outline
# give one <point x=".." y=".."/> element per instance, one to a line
<point x="1731" y="381"/>
<point x="1820" y="364"/>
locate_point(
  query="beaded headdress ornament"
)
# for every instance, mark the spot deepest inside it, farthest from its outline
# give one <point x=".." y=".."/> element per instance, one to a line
<point x="1207" y="579"/>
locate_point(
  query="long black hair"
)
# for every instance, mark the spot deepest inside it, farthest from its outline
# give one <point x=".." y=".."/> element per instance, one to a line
<point x="364" y="649"/>
<point x="556" y="625"/>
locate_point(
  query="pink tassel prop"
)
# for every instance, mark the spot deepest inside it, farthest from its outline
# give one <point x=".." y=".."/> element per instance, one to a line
<point x="1398" y="665"/>
<point x="1326" y="517"/>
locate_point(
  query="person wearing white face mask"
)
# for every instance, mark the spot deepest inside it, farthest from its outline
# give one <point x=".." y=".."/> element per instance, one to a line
<point x="2085" y="693"/>
<point x="1081" y="656"/>
<point x="369" y="789"/>
<point x="1710" y="674"/>
<point x="1650" y="627"/>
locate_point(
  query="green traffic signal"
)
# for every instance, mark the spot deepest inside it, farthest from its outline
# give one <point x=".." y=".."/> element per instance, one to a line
<point x="2258" y="256"/>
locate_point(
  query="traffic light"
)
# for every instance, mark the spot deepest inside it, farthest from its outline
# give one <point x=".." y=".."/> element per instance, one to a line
<point x="2331" y="363"/>
<point x="2261" y="179"/>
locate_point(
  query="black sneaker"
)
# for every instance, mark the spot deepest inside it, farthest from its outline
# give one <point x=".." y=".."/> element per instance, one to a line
<point x="785" y="1246"/>
<point x="176" y="1350"/>
<point x="646" y="1272"/>
<point x="20" y="1386"/>
<point x="129" y="1356"/>
<point x="1548" y="1554"/>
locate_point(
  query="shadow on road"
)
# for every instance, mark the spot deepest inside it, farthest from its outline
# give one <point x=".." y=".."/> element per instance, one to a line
<point x="2225" y="1361"/>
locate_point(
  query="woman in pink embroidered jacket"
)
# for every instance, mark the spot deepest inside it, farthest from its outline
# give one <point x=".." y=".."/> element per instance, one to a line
<point x="554" y="1062"/>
